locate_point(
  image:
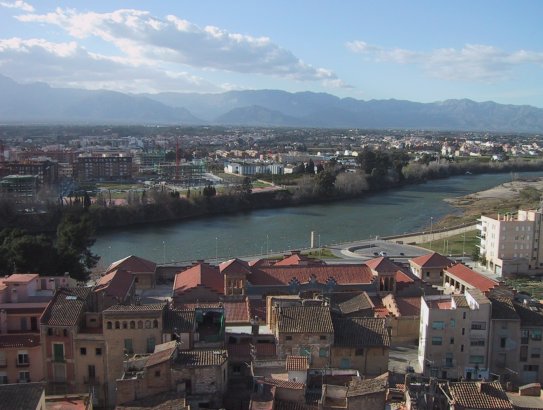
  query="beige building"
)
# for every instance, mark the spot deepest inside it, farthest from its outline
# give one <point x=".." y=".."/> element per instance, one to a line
<point x="454" y="335"/>
<point x="510" y="244"/>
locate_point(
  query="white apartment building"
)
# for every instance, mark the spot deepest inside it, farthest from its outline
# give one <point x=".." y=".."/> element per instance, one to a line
<point x="511" y="244"/>
<point x="454" y="335"/>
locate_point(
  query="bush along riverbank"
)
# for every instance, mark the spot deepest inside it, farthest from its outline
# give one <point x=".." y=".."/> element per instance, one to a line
<point x="330" y="183"/>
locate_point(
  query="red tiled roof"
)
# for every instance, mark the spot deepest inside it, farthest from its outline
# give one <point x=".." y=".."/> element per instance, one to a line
<point x="285" y="384"/>
<point x="161" y="356"/>
<point x="66" y="307"/>
<point x="282" y="275"/>
<point x="402" y="277"/>
<point x="432" y="260"/>
<point x="236" y="311"/>
<point x="297" y="363"/>
<point x="479" y="395"/>
<point x="382" y="265"/>
<point x="408" y="306"/>
<point x="242" y="351"/>
<point x="234" y="266"/>
<point x="133" y="264"/>
<point x="257" y="308"/>
<point x="116" y="283"/>
<point x="201" y="274"/>
<point x="297" y="259"/>
<point x="28" y="340"/>
<point x="20" y="277"/>
<point x="474" y="279"/>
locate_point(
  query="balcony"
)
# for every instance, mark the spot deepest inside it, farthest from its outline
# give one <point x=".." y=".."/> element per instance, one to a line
<point x="448" y="363"/>
<point x="22" y="363"/>
<point x="23" y="380"/>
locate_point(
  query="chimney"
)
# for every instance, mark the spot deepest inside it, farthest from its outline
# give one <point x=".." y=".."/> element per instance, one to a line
<point x="254" y="326"/>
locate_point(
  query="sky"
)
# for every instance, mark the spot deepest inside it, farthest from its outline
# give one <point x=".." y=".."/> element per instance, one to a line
<point x="414" y="50"/>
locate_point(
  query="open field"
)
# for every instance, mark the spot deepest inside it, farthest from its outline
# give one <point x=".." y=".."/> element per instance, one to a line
<point x="457" y="245"/>
<point x="532" y="286"/>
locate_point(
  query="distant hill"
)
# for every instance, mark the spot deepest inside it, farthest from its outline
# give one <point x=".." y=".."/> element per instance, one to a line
<point x="41" y="103"/>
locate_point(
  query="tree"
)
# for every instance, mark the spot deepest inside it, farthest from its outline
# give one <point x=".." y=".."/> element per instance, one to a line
<point x="209" y="191"/>
<point x="325" y="182"/>
<point x="75" y="236"/>
<point x="310" y="167"/>
<point x="246" y="187"/>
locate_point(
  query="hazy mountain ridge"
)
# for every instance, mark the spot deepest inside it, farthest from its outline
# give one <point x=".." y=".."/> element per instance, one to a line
<point x="41" y="103"/>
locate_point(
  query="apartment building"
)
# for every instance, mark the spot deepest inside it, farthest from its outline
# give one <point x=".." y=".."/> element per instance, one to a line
<point x="103" y="168"/>
<point x="510" y="244"/>
<point x="454" y="335"/>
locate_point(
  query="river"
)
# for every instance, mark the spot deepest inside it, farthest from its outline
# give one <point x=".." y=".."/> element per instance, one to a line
<point x="273" y="230"/>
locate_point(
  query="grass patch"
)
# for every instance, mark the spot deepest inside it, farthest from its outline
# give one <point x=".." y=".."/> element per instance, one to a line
<point x="454" y="245"/>
<point x="323" y="253"/>
<point x="532" y="286"/>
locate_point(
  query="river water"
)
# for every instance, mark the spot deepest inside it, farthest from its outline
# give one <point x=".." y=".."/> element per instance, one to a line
<point x="273" y="230"/>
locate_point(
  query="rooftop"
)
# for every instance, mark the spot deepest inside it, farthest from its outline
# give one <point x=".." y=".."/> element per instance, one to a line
<point x="66" y="307"/>
<point x="305" y="319"/>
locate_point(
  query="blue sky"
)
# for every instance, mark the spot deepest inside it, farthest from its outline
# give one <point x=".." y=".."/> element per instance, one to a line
<point x="414" y="50"/>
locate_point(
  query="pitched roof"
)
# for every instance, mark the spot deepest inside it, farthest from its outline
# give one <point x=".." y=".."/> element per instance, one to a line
<point x="296" y="258"/>
<point x="20" y="278"/>
<point x="305" y="319"/>
<point x="479" y="395"/>
<point x="234" y="266"/>
<point x="297" y="363"/>
<point x="66" y="307"/>
<point x="408" y="306"/>
<point x="283" y="275"/>
<point x="161" y="401"/>
<point x="201" y="357"/>
<point x="382" y="265"/>
<point x="431" y="260"/>
<point x="133" y="264"/>
<point x="179" y="321"/>
<point x="26" y="340"/>
<point x="285" y="384"/>
<point x="136" y="308"/>
<point x="161" y="355"/>
<point x="472" y="278"/>
<point x="359" y="387"/>
<point x="201" y="274"/>
<point x="360" y="332"/>
<point x="21" y="395"/>
<point x="117" y="283"/>
<point x="503" y="308"/>
<point x="530" y="315"/>
<point x="355" y="304"/>
<point x="236" y="310"/>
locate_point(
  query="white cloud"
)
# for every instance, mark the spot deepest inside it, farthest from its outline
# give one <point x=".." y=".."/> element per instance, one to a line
<point x="18" y="4"/>
<point x="70" y="65"/>
<point x="473" y="62"/>
<point x="139" y="35"/>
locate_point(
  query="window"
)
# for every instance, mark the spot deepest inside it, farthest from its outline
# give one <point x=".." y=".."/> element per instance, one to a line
<point x="463" y="315"/>
<point x="359" y="351"/>
<point x="523" y="353"/>
<point x="288" y="337"/>
<point x="452" y="323"/>
<point x="535" y="334"/>
<point x="478" y="325"/>
<point x="323" y="352"/>
<point x="155" y="324"/>
<point x="22" y="358"/>
<point x="24" y="376"/>
<point x="463" y="331"/>
<point x="58" y="352"/>
<point x="305" y="351"/>
<point x="125" y="325"/>
<point x="3" y="358"/>
<point x="109" y="325"/>
<point x="524" y="336"/>
<point x="461" y="348"/>
<point x="117" y="324"/>
<point x="503" y="341"/>
<point x="439" y="325"/>
<point x="3" y="378"/>
<point x="49" y="331"/>
<point x="536" y="353"/>
<point x="451" y="341"/>
<point x="437" y="340"/>
<point x="531" y="368"/>
<point x="157" y="373"/>
<point x="477" y="342"/>
<point x="83" y="351"/>
<point x="65" y="332"/>
<point x="128" y="347"/>
<point x="98" y="351"/>
<point x="92" y="372"/>
<point x="140" y="324"/>
<point x="132" y="324"/>
<point x="147" y="324"/>
<point x="476" y="359"/>
<point x="322" y="337"/>
<point x="151" y="344"/>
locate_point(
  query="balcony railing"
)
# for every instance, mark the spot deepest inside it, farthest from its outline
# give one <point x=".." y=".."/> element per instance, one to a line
<point x="21" y="364"/>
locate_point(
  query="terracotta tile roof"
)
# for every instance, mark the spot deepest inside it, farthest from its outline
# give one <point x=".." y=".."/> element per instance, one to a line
<point x="431" y="260"/>
<point x="234" y="266"/>
<point x="503" y="308"/>
<point x="305" y="319"/>
<point x="382" y="265"/>
<point x="20" y="278"/>
<point x="530" y="315"/>
<point x="283" y="275"/>
<point x="293" y="405"/>
<point x="201" y="357"/>
<point x="474" y="279"/>
<point x="162" y="401"/>
<point x="358" y="387"/>
<point x="479" y="395"/>
<point x="179" y="321"/>
<point x="379" y="309"/>
<point x="136" y="308"/>
<point x="66" y="307"/>
<point x="26" y="340"/>
<point x="161" y="356"/>
<point x="355" y="304"/>
<point x="201" y="274"/>
<point x="408" y="306"/>
<point x="296" y="258"/>
<point x="403" y="277"/>
<point x="297" y="363"/>
<point x="460" y="301"/>
<point x="116" y="283"/>
<point x="21" y="395"/>
<point x="133" y="264"/>
<point x="284" y="384"/>
<point x="237" y="311"/>
<point x="360" y="332"/>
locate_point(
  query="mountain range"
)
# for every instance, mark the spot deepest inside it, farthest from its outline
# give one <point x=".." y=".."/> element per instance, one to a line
<point x="40" y="103"/>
